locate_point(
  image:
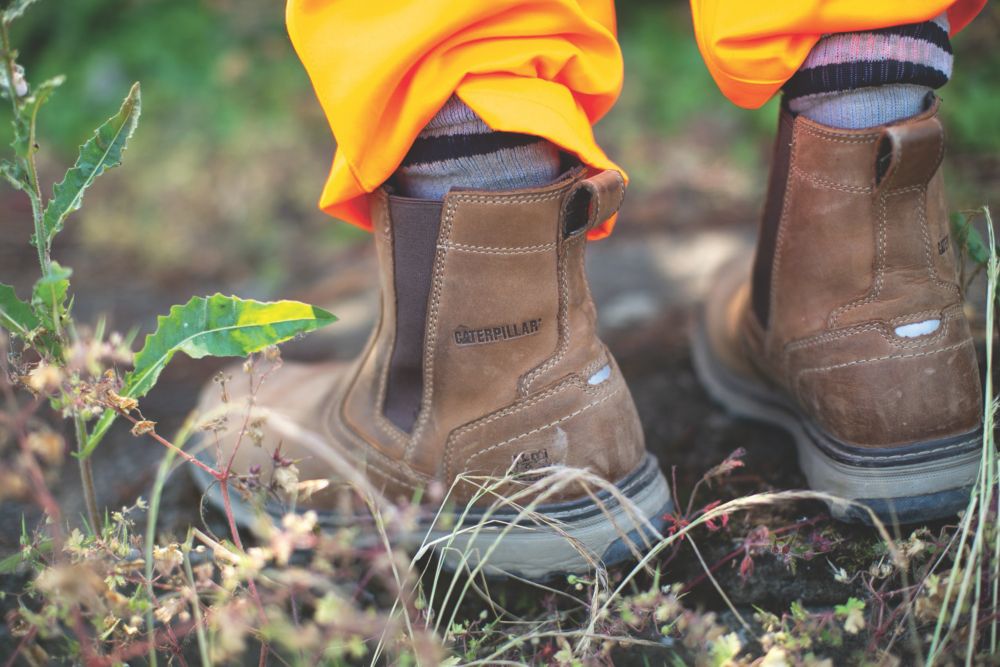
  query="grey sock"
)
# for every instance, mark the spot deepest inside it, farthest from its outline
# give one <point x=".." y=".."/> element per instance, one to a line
<point x="458" y="150"/>
<point x="856" y="80"/>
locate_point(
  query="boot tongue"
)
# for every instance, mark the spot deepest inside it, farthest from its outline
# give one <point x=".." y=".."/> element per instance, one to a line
<point x="909" y="153"/>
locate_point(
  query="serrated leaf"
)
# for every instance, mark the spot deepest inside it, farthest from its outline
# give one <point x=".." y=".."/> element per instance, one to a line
<point x="14" y="175"/>
<point x="48" y="298"/>
<point x="217" y="326"/>
<point x="40" y="94"/>
<point x="21" y="143"/>
<point x="16" y="316"/>
<point x="101" y="152"/>
<point x="15" y="9"/>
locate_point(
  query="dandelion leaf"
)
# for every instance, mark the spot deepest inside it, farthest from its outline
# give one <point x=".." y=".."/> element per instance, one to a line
<point x="217" y="326"/>
<point x="101" y="152"/>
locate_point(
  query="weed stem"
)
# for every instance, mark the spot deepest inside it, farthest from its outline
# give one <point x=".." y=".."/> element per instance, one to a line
<point x="28" y="158"/>
<point x="86" y="475"/>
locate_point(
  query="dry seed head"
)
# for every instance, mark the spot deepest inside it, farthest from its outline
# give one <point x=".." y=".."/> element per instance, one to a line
<point x="44" y="378"/>
<point x="222" y="379"/>
<point x="143" y="427"/>
<point x="216" y="425"/>
<point x="255" y="431"/>
<point x="881" y="570"/>
<point x="122" y="403"/>
<point x="287" y="479"/>
<point x="169" y="608"/>
<point x="168" y="558"/>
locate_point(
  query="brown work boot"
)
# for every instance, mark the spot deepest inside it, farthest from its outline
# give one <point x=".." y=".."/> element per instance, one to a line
<point x="485" y="363"/>
<point x="848" y="331"/>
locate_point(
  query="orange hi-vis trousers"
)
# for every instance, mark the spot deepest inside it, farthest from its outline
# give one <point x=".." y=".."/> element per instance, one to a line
<point x="552" y="68"/>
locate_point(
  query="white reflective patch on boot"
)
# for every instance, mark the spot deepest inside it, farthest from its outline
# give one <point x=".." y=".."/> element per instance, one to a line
<point x="600" y="376"/>
<point x="918" y="328"/>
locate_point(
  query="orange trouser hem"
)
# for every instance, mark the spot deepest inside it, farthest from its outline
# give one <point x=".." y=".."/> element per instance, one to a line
<point x="382" y="68"/>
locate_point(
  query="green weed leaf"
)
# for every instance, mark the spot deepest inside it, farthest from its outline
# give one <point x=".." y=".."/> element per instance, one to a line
<point x="49" y="297"/>
<point x="40" y="94"/>
<point x="9" y="564"/>
<point x="15" y="9"/>
<point x="220" y="326"/>
<point x="969" y="240"/>
<point x="14" y="175"/>
<point x="26" y="554"/>
<point x="101" y="152"/>
<point x="217" y="326"/>
<point x="16" y="316"/>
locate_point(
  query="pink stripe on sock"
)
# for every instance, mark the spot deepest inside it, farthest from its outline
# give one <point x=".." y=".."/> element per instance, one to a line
<point x="871" y="47"/>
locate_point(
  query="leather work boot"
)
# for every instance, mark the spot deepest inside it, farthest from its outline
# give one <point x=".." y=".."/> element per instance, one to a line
<point x="848" y="330"/>
<point x="485" y="362"/>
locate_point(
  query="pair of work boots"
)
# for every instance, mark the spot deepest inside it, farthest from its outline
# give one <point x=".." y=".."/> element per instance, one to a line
<point x="485" y="377"/>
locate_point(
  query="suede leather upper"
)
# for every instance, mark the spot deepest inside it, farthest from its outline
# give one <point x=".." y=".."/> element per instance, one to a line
<point x="860" y="247"/>
<point x="509" y="354"/>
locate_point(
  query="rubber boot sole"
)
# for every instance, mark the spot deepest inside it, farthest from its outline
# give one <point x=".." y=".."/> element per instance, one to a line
<point x="555" y="540"/>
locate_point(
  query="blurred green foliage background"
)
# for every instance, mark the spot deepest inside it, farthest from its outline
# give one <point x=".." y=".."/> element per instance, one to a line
<point x="221" y="181"/>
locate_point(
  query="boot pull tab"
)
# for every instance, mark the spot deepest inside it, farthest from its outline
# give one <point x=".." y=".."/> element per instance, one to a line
<point x="909" y="153"/>
<point x="592" y="201"/>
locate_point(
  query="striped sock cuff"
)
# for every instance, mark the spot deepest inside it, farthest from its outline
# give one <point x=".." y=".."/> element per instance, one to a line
<point x="916" y="54"/>
<point x="457" y="149"/>
<point x="426" y="150"/>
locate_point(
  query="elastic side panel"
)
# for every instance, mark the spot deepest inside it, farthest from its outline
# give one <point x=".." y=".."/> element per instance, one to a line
<point x="415" y="226"/>
<point x="771" y="220"/>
